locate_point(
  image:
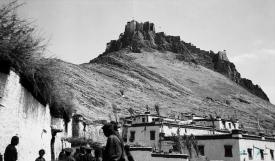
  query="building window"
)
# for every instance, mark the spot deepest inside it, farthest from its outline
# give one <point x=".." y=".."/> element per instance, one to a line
<point x="143" y="119"/>
<point x="132" y="138"/>
<point x="249" y="151"/>
<point x="66" y="126"/>
<point x="223" y="123"/>
<point x="272" y="154"/>
<point x="262" y="154"/>
<point x="125" y="139"/>
<point x="152" y="135"/>
<point x="229" y="124"/>
<point x="201" y="149"/>
<point x="228" y="151"/>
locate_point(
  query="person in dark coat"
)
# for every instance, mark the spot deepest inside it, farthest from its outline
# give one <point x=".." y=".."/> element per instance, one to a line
<point x="89" y="156"/>
<point x="98" y="154"/>
<point x="76" y="154"/>
<point x="11" y="152"/>
<point x="62" y="155"/>
<point x="82" y="154"/>
<point x="114" y="150"/>
<point x="41" y="154"/>
<point x="128" y="153"/>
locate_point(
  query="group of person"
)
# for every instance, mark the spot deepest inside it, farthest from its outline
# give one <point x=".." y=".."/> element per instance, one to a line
<point x="81" y="154"/>
<point x="114" y="149"/>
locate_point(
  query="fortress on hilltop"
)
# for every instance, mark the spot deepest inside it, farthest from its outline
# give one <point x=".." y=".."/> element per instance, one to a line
<point x="141" y="36"/>
<point x="133" y="26"/>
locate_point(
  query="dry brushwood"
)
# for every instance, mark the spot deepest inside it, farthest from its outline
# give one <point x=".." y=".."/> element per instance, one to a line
<point x="21" y="49"/>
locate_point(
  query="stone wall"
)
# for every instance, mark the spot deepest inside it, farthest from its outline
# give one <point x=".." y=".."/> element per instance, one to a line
<point x="87" y="130"/>
<point x="24" y="116"/>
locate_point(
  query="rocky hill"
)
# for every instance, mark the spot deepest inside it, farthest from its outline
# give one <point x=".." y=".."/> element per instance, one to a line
<point x="152" y="68"/>
<point x="142" y="35"/>
<point x="153" y="77"/>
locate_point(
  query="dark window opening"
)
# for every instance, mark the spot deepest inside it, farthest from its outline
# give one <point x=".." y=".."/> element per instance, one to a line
<point x="249" y="151"/>
<point x="151" y="27"/>
<point x="262" y="154"/>
<point x="272" y="154"/>
<point x="132" y="138"/>
<point x="201" y="149"/>
<point x="125" y="138"/>
<point x="152" y="135"/>
<point x="228" y="151"/>
<point x="66" y="126"/>
<point x="223" y="122"/>
<point x="229" y="125"/>
<point x="143" y="119"/>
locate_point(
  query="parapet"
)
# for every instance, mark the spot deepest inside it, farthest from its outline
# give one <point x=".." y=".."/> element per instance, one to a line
<point x="147" y="26"/>
<point x="133" y="26"/>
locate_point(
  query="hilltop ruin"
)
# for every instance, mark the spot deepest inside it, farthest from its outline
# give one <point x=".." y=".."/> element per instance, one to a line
<point x="138" y="36"/>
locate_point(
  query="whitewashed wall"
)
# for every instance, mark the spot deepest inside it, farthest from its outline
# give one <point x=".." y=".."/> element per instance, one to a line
<point x="262" y="144"/>
<point x="214" y="149"/>
<point x="143" y="136"/>
<point x="24" y="116"/>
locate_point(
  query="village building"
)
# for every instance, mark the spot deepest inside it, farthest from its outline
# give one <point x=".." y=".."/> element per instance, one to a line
<point x="236" y="146"/>
<point x="224" y="142"/>
<point x="147" y="128"/>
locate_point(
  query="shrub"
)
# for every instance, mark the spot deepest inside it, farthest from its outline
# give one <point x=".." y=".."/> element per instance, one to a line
<point x="21" y="49"/>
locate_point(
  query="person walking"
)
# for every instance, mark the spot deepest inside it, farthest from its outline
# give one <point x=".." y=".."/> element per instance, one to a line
<point x="11" y="151"/>
<point x="41" y="154"/>
<point x="128" y="153"/>
<point x="114" y="150"/>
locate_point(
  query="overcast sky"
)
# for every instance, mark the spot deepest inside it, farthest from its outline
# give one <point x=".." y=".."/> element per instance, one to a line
<point x="80" y="29"/>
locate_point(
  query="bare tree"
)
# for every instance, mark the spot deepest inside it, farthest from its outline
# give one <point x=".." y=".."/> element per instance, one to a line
<point x="190" y="142"/>
<point x="131" y="111"/>
<point x="115" y="111"/>
<point x="157" y="108"/>
<point x="213" y="123"/>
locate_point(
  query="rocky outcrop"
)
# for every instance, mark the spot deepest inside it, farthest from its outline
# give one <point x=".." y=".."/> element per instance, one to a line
<point x="142" y="35"/>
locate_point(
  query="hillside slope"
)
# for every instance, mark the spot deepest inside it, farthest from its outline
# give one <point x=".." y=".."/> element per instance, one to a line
<point x="153" y="77"/>
<point x="138" y="36"/>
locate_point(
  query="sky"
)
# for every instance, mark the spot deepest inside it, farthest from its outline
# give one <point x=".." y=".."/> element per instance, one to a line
<point x="79" y="29"/>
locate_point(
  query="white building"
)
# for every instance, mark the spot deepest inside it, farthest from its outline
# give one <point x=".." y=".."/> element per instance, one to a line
<point x="236" y="146"/>
<point x="147" y="128"/>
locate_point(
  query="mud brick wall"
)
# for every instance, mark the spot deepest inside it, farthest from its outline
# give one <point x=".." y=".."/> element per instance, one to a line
<point x="22" y="115"/>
